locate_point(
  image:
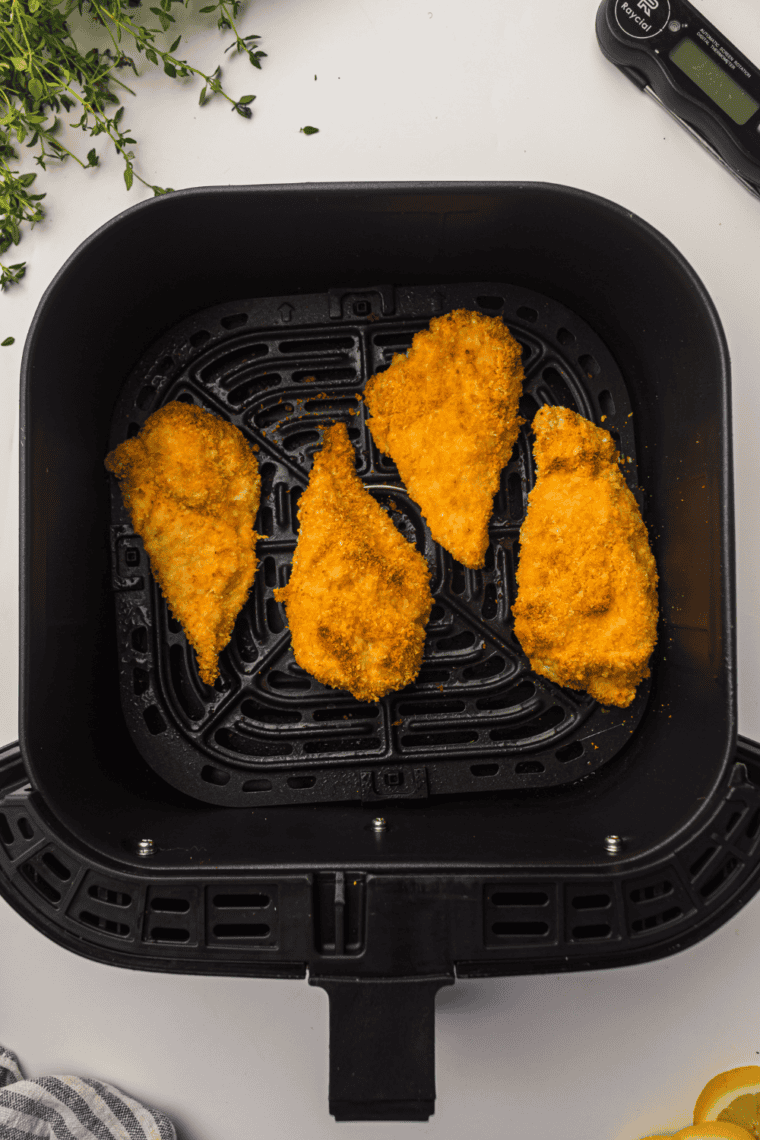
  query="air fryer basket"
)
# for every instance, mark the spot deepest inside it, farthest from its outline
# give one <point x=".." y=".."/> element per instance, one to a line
<point x="109" y="859"/>
<point x="477" y="718"/>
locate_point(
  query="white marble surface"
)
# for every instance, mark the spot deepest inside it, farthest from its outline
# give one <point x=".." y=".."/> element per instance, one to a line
<point x="414" y="89"/>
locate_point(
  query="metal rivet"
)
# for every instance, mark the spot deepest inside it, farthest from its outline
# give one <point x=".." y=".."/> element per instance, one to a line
<point x="613" y="844"/>
<point x="379" y="824"/>
<point x="146" y="847"/>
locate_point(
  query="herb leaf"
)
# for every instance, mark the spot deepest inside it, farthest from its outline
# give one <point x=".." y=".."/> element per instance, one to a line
<point x="44" y="72"/>
<point x="8" y="340"/>
<point x="309" y="130"/>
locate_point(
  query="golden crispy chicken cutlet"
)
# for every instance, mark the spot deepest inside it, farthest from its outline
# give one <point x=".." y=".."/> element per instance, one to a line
<point x="447" y="414"/>
<point x="191" y="484"/>
<point x="359" y="596"/>
<point x="586" y="609"/>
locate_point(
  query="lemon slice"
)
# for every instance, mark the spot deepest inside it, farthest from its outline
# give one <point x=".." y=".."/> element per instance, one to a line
<point x="733" y="1098"/>
<point x="712" y="1130"/>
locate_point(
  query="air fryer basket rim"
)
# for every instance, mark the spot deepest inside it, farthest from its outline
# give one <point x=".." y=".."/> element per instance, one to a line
<point x="309" y="190"/>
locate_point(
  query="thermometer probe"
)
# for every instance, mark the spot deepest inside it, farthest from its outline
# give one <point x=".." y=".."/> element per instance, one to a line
<point x="668" y="49"/>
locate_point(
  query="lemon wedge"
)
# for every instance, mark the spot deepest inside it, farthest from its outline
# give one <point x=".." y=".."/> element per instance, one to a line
<point x="732" y="1097"/>
<point x="712" y="1130"/>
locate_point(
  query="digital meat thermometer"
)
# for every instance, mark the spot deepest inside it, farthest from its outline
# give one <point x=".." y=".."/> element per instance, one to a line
<point x="668" y="49"/>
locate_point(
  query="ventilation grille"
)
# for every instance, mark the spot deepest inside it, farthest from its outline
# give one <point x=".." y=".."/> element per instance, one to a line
<point x="214" y="922"/>
<point x="282" y="371"/>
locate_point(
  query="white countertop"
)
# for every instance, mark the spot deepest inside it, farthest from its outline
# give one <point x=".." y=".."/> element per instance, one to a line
<point x="413" y="90"/>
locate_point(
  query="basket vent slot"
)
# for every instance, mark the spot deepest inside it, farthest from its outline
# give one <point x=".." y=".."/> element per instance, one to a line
<point x="109" y="896"/>
<point x="269" y="715"/>
<point x="656" y="902"/>
<point x="190" y="702"/>
<point x="140" y="639"/>
<point x="258" y="784"/>
<point x="171" y="915"/>
<point x="701" y="861"/>
<point x="6" y="835"/>
<point x="592" y="931"/>
<point x="653" y="921"/>
<point x="560" y="389"/>
<point x="104" y="904"/>
<point x="517" y="696"/>
<point x="592" y="368"/>
<point x="25" y="829"/>
<point x="362" y="744"/>
<point x="516" y="914"/>
<point x="454" y="736"/>
<point x="235" y="321"/>
<point x="170" y="906"/>
<point x="659" y="890"/>
<point x="753" y="827"/>
<point x="326" y="344"/>
<point x="550" y="718"/>
<point x="243" y="913"/>
<point x="104" y="925"/>
<point x="41" y="885"/>
<point x="229" y="361"/>
<point x="725" y="872"/>
<point x="153" y="719"/>
<point x="590" y="912"/>
<point x="245" y="743"/>
<point x="357" y="712"/>
<point x="520" y="898"/>
<point x="248" y="901"/>
<point x="423" y="708"/>
<point x="570" y="752"/>
<point x="592" y="902"/>
<point x="606" y="403"/>
<point x="484" y="769"/>
<point x="54" y="864"/>
<point x="215" y="776"/>
<point x="241" y="930"/>
<point x="169" y="934"/>
<point x="523" y="929"/>
<point x="491" y="667"/>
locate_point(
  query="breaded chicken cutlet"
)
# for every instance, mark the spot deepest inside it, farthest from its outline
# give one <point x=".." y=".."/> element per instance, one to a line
<point x="586" y="609"/>
<point x="191" y="484"/>
<point x="359" y="596"/>
<point x="447" y="415"/>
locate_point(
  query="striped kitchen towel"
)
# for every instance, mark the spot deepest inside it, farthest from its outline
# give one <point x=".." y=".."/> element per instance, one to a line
<point x="70" y="1108"/>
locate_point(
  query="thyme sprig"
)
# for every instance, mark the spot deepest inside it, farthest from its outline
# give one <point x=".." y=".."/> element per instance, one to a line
<point x="45" y="76"/>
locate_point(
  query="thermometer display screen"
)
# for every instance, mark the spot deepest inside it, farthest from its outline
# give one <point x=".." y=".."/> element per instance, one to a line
<point x="713" y="80"/>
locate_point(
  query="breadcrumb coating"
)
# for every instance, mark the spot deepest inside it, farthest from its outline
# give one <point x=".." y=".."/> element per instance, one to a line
<point x="447" y="414"/>
<point x="586" y="608"/>
<point x="359" y="596"/>
<point x="191" y="484"/>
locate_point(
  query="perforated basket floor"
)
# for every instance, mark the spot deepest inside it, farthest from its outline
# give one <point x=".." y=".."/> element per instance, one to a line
<point x="477" y="718"/>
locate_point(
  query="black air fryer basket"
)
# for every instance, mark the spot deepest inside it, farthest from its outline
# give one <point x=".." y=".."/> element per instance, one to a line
<point x="482" y="821"/>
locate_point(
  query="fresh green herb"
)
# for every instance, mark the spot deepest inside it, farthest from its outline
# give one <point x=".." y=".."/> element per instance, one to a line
<point x="44" y="74"/>
<point x="8" y="340"/>
<point x="309" y="130"/>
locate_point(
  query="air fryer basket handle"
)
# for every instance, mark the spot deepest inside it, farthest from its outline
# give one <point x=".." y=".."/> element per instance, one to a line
<point x="382" y="1046"/>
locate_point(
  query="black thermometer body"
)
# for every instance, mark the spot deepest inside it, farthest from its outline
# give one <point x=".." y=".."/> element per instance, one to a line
<point x="668" y="48"/>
